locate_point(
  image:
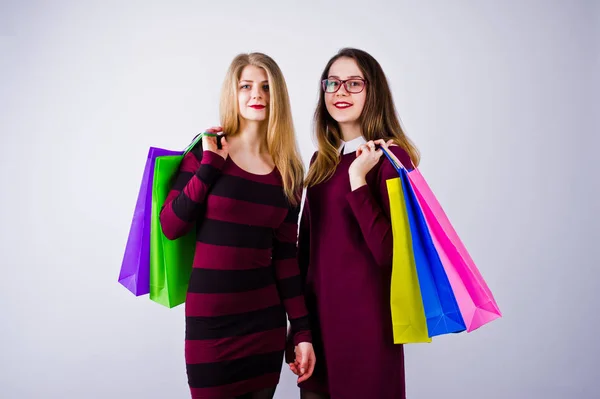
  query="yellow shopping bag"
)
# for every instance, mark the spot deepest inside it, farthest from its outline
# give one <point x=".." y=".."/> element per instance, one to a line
<point x="408" y="314"/>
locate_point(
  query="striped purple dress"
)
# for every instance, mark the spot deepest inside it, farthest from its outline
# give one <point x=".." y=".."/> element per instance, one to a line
<point x="245" y="276"/>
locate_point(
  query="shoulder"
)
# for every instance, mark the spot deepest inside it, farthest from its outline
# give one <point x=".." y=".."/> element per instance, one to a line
<point x="196" y="151"/>
<point x="402" y="156"/>
<point x="387" y="169"/>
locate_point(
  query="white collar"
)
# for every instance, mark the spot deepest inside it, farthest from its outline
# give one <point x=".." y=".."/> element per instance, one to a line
<point x="352" y="145"/>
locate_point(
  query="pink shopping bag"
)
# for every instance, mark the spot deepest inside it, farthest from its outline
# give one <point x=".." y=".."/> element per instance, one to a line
<point x="474" y="297"/>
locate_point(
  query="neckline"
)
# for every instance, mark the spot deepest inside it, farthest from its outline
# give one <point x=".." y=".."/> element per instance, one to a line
<point x="250" y="173"/>
<point x="352" y="145"/>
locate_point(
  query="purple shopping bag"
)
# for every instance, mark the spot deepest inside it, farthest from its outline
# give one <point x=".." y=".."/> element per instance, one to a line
<point x="135" y="269"/>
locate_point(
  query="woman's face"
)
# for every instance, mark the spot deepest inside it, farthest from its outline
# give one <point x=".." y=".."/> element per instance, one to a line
<point x="345" y="91"/>
<point x="253" y="94"/>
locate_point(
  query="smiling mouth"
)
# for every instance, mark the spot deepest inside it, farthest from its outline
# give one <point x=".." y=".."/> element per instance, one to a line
<point x="257" y="106"/>
<point x="342" y="105"/>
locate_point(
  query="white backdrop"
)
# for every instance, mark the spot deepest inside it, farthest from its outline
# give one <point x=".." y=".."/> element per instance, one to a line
<point x="498" y="96"/>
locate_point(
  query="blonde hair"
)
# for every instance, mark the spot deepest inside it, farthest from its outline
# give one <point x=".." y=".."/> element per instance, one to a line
<point x="378" y="120"/>
<point x="280" y="137"/>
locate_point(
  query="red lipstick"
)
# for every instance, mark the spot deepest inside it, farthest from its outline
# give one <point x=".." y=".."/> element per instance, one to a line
<point x="342" y="105"/>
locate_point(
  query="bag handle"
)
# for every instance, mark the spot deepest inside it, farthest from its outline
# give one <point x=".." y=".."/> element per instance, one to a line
<point x="197" y="139"/>
<point x="393" y="159"/>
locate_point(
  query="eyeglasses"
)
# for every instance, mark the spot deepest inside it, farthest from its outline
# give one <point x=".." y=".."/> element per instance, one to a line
<point x="354" y="85"/>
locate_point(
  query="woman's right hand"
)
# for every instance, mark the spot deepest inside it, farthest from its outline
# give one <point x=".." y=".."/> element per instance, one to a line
<point x="304" y="363"/>
<point x="209" y="143"/>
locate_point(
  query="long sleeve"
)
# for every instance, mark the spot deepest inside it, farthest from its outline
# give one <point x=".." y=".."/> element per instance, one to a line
<point x="373" y="216"/>
<point x="197" y="172"/>
<point x="289" y="280"/>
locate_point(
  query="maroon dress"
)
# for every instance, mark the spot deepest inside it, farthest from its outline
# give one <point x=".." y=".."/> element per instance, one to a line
<point x="245" y="276"/>
<point x="345" y="256"/>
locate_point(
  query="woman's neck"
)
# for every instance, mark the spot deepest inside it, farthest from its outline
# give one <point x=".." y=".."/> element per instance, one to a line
<point x="350" y="131"/>
<point x="251" y="137"/>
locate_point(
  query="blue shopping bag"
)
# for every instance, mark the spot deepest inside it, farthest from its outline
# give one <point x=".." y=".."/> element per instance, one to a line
<point x="441" y="309"/>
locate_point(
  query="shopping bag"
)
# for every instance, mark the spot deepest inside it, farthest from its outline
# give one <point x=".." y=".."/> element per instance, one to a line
<point x="135" y="267"/>
<point x="475" y="300"/>
<point x="409" y="323"/>
<point x="170" y="260"/>
<point x="441" y="309"/>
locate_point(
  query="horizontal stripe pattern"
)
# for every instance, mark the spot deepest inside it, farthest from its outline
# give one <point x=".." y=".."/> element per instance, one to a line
<point x="245" y="278"/>
<point x="290" y="287"/>
<point x="182" y="179"/>
<point x="211" y="281"/>
<point x="184" y="203"/>
<point x="235" y="235"/>
<point x="219" y="257"/>
<point x="205" y="375"/>
<point x="286" y="267"/>
<point x="246" y="190"/>
<point x="231" y="210"/>
<point x="184" y="207"/>
<point x="231" y="348"/>
<point x="295" y="306"/>
<point x="231" y="303"/>
<point x="235" y="325"/>
<point x="236" y="388"/>
<point x="207" y="174"/>
<point x="301" y="323"/>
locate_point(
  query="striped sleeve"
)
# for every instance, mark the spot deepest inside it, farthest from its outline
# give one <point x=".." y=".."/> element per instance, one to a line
<point x="289" y="281"/>
<point x="197" y="172"/>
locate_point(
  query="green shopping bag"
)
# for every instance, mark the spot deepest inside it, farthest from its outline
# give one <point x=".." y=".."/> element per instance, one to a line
<point x="170" y="260"/>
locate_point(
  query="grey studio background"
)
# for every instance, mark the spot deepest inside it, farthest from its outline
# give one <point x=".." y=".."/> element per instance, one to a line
<point x="501" y="97"/>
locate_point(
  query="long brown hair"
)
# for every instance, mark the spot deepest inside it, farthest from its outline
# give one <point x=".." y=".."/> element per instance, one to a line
<point x="379" y="119"/>
<point x="280" y="136"/>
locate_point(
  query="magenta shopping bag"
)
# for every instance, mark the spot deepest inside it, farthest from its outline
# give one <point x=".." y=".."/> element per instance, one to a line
<point x="135" y="268"/>
<point x="474" y="297"/>
<point x="475" y="300"/>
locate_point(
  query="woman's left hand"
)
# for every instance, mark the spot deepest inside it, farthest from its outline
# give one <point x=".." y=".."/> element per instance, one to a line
<point x="304" y="364"/>
<point x="366" y="158"/>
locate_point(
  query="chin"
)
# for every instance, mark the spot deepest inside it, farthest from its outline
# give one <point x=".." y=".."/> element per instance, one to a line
<point x="255" y="118"/>
<point x="345" y="119"/>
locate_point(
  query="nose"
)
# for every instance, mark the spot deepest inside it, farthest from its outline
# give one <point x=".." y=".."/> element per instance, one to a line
<point x="342" y="91"/>
<point x="256" y="92"/>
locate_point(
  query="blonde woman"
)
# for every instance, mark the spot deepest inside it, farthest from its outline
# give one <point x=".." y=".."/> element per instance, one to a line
<point x="242" y="191"/>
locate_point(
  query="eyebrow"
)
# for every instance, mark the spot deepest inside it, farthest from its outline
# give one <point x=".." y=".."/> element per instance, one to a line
<point x="349" y="77"/>
<point x="251" y="81"/>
